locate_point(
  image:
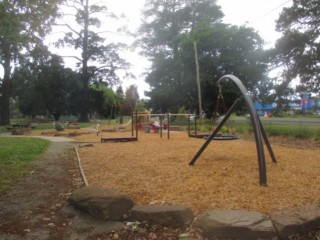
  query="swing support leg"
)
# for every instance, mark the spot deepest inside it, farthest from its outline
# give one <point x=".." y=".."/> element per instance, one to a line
<point x="216" y="130"/>
<point x="266" y="141"/>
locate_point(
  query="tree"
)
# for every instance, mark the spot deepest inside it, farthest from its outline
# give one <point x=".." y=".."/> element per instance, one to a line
<point x="101" y="99"/>
<point x="23" y="87"/>
<point x="55" y="83"/>
<point x="160" y="35"/>
<point x="132" y="96"/>
<point x="222" y="49"/>
<point x="298" y="48"/>
<point x="23" y="25"/>
<point x="50" y="87"/>
<point x="86" y="38"/>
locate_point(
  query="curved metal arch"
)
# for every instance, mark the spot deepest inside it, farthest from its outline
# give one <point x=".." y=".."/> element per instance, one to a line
<point x="259" y="132"/>
<point x="256" y="126"/>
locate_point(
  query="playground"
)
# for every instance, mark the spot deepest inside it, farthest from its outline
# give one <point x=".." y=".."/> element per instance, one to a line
<point x="155" y="170"/>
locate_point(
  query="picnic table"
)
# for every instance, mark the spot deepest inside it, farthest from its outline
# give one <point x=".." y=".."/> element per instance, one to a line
<point x="20" y="125"/>
<point x="19" y="128"/>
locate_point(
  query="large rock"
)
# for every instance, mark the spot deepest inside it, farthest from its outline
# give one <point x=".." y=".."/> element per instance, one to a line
<point x="107" y="204"/>
<point x="296" y="220"/>
<point x="234" y="224"/>
<point x="167" y="215"/>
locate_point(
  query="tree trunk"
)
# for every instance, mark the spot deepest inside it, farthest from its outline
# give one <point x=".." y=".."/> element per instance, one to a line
<point x="5" y="104"/>
<point x="85" y="76"/>
<point x="84" y="103"/>
<point x="5" y="91"/>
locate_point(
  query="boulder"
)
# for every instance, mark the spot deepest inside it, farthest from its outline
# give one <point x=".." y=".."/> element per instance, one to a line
<point x="59" y="126"/>
<point x="167" y="215"/>
<point x="106" y="204"/>
<point x="296" y="220"/>
<point x="234" y="224"/>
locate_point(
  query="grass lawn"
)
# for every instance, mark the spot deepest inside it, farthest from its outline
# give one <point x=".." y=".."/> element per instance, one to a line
<point x="16" y="155"/>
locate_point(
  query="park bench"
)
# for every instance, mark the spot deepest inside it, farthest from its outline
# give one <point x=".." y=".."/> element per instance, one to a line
<point x="21" y="125"/>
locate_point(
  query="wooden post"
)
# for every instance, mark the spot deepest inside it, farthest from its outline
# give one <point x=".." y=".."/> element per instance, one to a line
<point x="198" y="78"/>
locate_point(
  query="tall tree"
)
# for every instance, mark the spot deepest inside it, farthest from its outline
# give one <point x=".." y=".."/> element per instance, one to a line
<point x="298" y="50"/>
<point x="102" y="99"/>
<point x="132" y="96"/>
<point x="56" y="84"/>
<point x="168" y="35"/>
<point x="83" y="35"/>
<point x="48" y="88"/>
<point x="160" y="34"/>
<point x="23" y="24"/>
<point x="23" y="86"/>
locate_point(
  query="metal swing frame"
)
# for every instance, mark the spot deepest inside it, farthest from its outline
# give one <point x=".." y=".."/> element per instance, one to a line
<point x="259" y="132"/>
<point x="223" y="137"/>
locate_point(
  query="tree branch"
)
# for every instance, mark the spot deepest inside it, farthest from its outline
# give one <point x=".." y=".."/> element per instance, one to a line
<point x="79" y="59"/>
<point x="69" y="27"/>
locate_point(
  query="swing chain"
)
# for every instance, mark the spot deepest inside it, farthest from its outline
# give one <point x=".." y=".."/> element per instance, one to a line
<point x="220" y="91"/>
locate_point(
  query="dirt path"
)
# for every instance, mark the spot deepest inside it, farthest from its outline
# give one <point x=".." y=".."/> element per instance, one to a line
<point x="37" y="207"/>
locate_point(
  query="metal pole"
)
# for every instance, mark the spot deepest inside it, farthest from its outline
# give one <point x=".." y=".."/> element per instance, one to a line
<point x="198" y="77"/>
<point x="132" y="124"/>
<point x="195" y="125"/>
<point x="160" y="127"/>
<point x="214" y="133"/>
<point x="168" y="126"/>
<point x="137" y="125"/>
<point x="256" y="126"/>
<point x="266" y="140"/>
<point x="189" y="125"/>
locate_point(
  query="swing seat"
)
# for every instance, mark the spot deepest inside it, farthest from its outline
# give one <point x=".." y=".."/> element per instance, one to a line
<point x="224" y="137"/>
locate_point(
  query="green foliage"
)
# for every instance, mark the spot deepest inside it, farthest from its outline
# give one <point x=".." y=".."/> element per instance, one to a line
<point x="23" y="25"/>
<point x="16" y="154"/>
<point x="298" y="47"/>
<point x="140" y="107"/>
<point x="24" y="90"/>
<point x="82" y="34"/>
<point x="101" y="99"/>
<point x="222" y="49"/>
<point x="48" y="87"/>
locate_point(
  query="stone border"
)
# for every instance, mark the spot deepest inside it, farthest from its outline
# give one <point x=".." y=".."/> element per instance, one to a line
<point x="217" y="223"/>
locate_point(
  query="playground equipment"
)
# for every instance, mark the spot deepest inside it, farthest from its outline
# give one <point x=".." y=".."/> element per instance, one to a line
<point x="259" y="131"/>
<point x="114" y="108"/>
<point x="163" y="125"/>
<point x="220" y="137"/>
<point x="230" y="132"/>
<point x="126" y="139"/>
<point x="230" y="135"/>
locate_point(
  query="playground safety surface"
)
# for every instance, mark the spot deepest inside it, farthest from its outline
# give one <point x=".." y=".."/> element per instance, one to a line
<point x="155" y="170"/>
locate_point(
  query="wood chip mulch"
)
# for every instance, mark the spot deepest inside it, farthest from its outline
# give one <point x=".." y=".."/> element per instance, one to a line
<point x="155" y="170"/>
